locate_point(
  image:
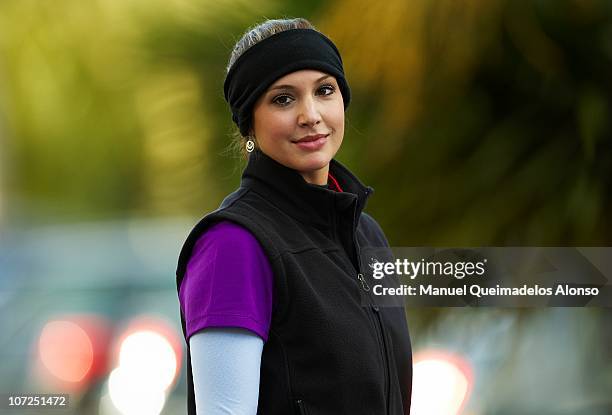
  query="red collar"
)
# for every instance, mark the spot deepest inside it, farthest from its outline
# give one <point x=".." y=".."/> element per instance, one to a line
<point x="333" y="183"/>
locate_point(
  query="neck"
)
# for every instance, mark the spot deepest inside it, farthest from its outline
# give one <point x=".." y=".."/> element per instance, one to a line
<point x="316" y="176"/>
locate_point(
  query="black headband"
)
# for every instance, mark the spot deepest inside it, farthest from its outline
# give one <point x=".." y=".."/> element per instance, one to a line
<point x="276" y="56"/>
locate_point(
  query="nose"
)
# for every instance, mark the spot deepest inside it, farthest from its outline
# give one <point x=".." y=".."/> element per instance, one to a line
<point x="309" y="113"/>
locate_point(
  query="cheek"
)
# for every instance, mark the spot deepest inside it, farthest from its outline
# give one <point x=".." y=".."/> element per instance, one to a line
<point x="337" y="117"/>
<point x="282" y="126"/>
<point x="276" y="125"/>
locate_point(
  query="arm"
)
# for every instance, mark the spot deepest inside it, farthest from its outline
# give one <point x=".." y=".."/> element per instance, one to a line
<point x="225" y="364"/>
<point x="226" y="300"/>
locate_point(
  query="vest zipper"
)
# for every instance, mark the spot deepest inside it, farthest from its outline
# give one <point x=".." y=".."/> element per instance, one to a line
<point x="380" y="327"/>
<point x="364" y="284"/>
<point x="386" y="358"/>
<point x="300" y="405"/>
<point x="380" y="331"/>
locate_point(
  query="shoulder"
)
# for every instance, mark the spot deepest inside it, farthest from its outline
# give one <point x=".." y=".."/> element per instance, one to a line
<point x="221" y="235"/>
<point x="235" y="221"/>
<point x="226" y="234"/>
<point x="229" y="243"/>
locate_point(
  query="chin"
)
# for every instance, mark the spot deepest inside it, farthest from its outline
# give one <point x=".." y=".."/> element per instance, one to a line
<point x="313" y="161"/>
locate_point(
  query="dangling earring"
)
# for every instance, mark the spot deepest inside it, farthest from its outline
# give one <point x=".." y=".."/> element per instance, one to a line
<point x="250" y="145"/>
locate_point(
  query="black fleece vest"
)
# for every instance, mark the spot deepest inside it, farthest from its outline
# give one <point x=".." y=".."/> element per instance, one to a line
<point x="330" y="350"/>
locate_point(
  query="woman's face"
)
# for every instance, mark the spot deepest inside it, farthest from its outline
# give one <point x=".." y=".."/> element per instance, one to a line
<point x="299" y="122"/>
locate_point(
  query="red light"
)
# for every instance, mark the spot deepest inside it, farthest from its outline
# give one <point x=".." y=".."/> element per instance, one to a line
<point x="66" y="350"/>
<point x="72" y="351"/>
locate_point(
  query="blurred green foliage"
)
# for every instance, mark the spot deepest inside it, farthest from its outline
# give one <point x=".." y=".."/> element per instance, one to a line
<point x="484" y="122"/>
<point x="477" y="122"/>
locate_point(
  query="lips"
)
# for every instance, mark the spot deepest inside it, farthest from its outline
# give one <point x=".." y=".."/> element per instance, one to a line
<point x="309" y="138"/>
<point x="312" y="142"/>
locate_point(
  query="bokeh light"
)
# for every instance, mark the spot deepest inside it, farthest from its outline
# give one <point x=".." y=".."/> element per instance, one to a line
<point x="150" y="357"/>
<point x="135" y="393"/>
<point x="441" y="383"/>
<point x="66" y="350"/>
<point x="147" y="365"/>
<point x="72" y="351"/>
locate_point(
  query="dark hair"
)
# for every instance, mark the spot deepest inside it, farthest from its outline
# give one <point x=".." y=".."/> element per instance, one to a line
<point x="250" y="38"/>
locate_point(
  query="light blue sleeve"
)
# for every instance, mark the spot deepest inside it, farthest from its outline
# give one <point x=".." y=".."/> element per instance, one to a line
<point x="225" y="363"/>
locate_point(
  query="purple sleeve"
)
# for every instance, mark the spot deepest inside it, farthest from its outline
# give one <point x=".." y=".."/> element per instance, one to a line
<point x="228" y="282"/>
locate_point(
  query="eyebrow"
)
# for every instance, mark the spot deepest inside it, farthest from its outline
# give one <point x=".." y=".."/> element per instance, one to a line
<point x="293" y="87"/>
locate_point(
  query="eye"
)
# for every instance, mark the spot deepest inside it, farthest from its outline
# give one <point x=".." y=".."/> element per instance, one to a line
<point x="282" y="100"/>
<point x="327" y="89"/>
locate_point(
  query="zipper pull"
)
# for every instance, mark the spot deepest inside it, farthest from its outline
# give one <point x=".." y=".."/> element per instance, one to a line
<point x="364" y="284"/>
<point x="300" y="405"/>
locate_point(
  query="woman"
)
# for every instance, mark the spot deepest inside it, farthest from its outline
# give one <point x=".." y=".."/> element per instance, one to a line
<point x="278" y="316"/>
